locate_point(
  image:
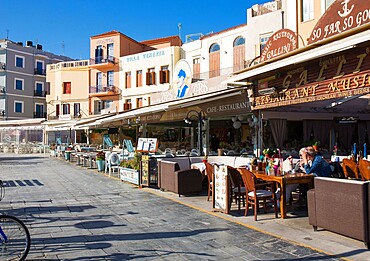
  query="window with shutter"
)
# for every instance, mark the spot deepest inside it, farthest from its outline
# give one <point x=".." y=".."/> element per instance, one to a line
<point x="139" y="78"/>
<point x="57" y="110"/>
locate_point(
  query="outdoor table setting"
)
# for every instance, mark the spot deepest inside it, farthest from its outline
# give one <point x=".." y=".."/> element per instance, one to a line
<point x="282" y="181"/>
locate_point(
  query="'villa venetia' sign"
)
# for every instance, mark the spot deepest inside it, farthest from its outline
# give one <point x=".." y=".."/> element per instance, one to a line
<point x="341" y="16"/>
<point x="281" y="42"/>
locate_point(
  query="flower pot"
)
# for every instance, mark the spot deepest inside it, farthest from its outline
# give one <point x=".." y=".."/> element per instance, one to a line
<point x="204" y="160"/>
<point x="220" y="152"/>
<point x="100" y="164"/>
<point x="315" y="147"/>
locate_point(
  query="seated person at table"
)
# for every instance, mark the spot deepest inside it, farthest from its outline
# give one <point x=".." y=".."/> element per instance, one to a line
<point x="288" y="168"/>
<point x="298" y="168"/>
<point x="319" y="167"/>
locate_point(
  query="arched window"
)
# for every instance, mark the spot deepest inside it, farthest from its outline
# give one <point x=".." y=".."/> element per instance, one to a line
<point x="214" y="48"/>
<point x="239" y="41"/>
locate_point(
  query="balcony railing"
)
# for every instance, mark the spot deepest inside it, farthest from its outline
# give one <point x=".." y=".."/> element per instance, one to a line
<point x="39" y="115"/>
<point x="40" y="93"/>
<point x="103" y="60"/>
<point x="2" y="66"/>
<point x="40" y="72"/>
<point x="103" y="89"/>
<point x="72" y="64"/>
<point x="265" y="8"/>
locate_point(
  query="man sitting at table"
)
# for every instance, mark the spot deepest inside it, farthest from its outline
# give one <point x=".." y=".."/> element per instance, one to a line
<point x="319" y="167"/>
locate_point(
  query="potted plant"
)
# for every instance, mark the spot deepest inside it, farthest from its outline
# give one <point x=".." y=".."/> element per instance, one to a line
<point x="130" y="169"/>
<point x="223" y="145"/>
<point x="100" y="160"/>
<point x="316" y="145"/>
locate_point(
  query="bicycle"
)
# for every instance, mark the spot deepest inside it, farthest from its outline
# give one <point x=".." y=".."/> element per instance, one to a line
<point x="15" y="239"/>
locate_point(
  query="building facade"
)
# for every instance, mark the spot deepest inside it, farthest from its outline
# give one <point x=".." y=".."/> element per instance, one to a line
<point x="23" y="85"/>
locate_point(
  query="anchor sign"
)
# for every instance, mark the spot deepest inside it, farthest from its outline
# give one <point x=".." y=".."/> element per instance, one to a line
<point x="346" y="11"/>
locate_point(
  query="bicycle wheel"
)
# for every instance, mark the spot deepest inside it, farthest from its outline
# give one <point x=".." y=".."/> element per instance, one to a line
<point x="15" y="238"/>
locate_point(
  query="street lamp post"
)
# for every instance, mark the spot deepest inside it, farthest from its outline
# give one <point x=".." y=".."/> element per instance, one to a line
<point x="200" y="116"/>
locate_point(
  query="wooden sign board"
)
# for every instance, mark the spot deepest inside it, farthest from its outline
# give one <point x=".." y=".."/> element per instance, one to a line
<point x="221" y="189"/>
<point x="281" y="42"/>
<point x="341" y="16"/>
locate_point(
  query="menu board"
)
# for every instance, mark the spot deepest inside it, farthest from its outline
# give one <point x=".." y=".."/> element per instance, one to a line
<point x="147" y="145"/>
<point x="144" y="180"/>
<point x="221" y="189"/>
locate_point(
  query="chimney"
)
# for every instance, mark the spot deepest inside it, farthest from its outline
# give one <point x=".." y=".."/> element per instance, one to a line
<point x="29" y="43"/>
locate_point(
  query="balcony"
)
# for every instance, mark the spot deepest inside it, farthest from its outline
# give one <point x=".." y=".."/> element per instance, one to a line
<point x="103" y="62"/>
<point x="40" y="72"/>
<point x="39" y="115"/>
<point x="103" y="90"/>
<point x="69" y="65"/>
<point x="2" y="66"/>
<point x="265" y="8"/>
<point x="38" y="93"/>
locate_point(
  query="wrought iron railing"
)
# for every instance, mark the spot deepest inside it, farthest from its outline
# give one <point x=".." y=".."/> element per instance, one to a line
<point x="103" y="59"/>
<point x="39" y="93"/>
<point x="103" y="88"/>
<point x="40" y="71"/>
<point x="39" y="114"/>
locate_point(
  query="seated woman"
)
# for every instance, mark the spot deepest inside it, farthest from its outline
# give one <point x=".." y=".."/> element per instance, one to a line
<point x="319" y="167"/>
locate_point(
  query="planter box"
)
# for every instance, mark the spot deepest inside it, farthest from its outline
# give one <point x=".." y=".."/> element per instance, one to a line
<point x="129" y="175"/>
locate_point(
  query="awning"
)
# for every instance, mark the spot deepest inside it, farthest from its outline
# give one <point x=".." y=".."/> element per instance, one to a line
<point x="170" y="105"/>
<point x="334" y="47"/>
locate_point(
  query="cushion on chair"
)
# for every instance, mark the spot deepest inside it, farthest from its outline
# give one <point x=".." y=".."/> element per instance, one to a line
<point x="114" y="159"/>
<point x="261" y="193"/>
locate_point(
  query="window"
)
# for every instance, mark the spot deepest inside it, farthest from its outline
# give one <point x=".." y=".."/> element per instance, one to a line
<point x="238" y="53"/>
<point x="110" y="52"/>
<point x="214" y="48"/>
<point x="128" y="79"/>
<point x="196" y="68"/>
<point x="39" y="88"/>
<point x="18" y="106"/>
<point x="328" y="3"/>
<point x="39" y="111"/>
<point x="110" y="79"/>
<point x="127" y="105"/>
<point x="39" y="70"/>
<point x="98" y="54"/>
<point x="150" y="77"/>
<point x="239" y="41"/>
<point x="57" y="110"/>
<point x="139" y="102"/>
<point x="263" y="41"/>
<point x="107" y="104"/>
<point x="66" y="109"/>
<point x="19" y="61"/>
<point x="18" y="85"/>
<point x="76" y="109"/>
<point x="307" y="10"/>
<point x="164" y="75"/>
<point x="139" y="78"/>
<point x="67" y="88"/>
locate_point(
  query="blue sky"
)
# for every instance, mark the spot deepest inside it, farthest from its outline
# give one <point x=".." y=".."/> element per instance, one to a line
<point x="72" y="22"/>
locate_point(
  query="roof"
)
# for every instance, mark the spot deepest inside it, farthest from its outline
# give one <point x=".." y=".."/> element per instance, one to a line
<point x="223" y="31"/>
<point x="161" y="40"/>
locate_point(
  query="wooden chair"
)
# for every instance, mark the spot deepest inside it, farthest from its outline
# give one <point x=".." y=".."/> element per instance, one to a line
<point x="238" y="191"/>
<point x="350" y="169"/>
<point x="209" y="173"/>
<point x="364" y="168"/>
<point x="255" y="195"/>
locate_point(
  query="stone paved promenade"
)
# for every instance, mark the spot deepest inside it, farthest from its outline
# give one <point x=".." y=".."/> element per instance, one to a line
<point x="78" y="214"/>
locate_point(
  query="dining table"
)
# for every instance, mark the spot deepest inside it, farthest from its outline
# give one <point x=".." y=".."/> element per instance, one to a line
<point x="282" y="181"/>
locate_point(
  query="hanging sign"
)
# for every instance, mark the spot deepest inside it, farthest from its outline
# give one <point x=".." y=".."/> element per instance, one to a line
<point x="281" y="42"/>
<point x="341" y="16"/>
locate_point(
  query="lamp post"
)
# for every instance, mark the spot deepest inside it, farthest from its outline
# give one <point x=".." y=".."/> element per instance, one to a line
<point x="200" y="116"/>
